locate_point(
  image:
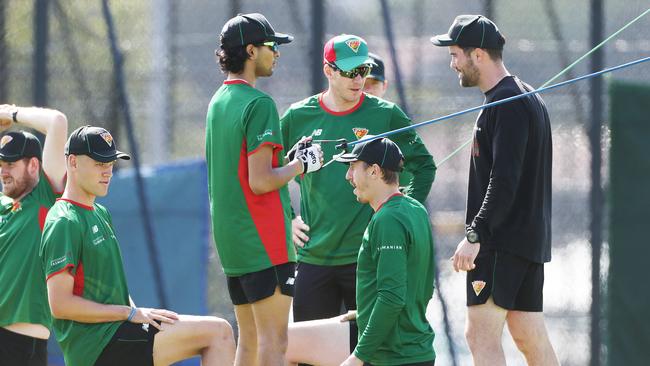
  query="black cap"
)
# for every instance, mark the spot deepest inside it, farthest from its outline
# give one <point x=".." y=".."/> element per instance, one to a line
<point x="377" y="71"/>
<point x="471" y="31"/>
<point x="250" y="29"/>
<point x="381" y="151"/>
<point x="94" y="142"/>
<point x="17" y="145"/>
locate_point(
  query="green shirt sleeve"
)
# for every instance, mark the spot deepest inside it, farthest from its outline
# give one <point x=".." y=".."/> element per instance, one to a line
<point x="389" y="243"/>
<point x="60" y="246"/>
<point x="261" y="124"/>
<point x="417" y="159"/>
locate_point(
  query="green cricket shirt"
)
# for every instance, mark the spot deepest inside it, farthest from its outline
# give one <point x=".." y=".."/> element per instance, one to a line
<point x="80" y="239"/>
<point x="395" y="284"/>
<point x="252" y="232"/>
<point x="23" y="294"/>
<point x="327" y="204"/>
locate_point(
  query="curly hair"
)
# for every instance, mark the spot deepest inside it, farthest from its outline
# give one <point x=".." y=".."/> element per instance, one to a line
<point x="232" y="59"/>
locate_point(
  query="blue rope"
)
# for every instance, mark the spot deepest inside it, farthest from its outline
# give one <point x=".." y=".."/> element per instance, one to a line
<point x="498" y="102"/>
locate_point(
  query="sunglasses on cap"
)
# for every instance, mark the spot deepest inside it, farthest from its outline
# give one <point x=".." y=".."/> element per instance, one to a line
<point x="362" y="70"/>
<point x="271" y="44"/>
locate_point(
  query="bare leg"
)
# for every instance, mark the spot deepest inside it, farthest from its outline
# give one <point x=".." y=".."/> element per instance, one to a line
<point x="271" y="320"/>
<point x="208" y="336"/>
<point x="247" y="340"/>
<point x="529" y="333"/>
<point x="483" y="333"/>
<point x="321" y="342"/>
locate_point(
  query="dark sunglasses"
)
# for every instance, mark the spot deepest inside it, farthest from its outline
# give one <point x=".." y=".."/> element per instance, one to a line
<point x="363" y="70"/>
<point x="272" y="45"/>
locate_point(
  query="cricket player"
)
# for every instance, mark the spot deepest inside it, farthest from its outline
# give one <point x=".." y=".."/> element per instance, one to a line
<point x="95" y="320"/>
<point x="249" y="200"/>
<point x="329" y="231"/>
<point x="32" y="178"/>
<point x="395" y="268"/>
<point x="376" y="83"/>
<point x="508" y="221"/>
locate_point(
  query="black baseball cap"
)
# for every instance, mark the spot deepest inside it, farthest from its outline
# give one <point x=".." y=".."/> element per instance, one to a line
<point x="377" y="71"/>
<point x="381" y="151"/>
<point x="94" y="142"/>
<point x="250" y="28"/>
<point x="17" y="145"/>
<point x="471" y="31"/>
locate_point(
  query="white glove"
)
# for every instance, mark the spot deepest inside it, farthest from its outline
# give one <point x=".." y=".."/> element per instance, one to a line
<point x="301" y="144"/>
<point x="311" y="157"/>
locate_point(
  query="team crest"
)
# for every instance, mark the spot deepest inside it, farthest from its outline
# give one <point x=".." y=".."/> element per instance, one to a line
<point x="5" y="140"/>
<point x="354" y="44"/>
<point x="360" y="132"/>
<point x="478" y="286"/>
<point x="107" y="137"/>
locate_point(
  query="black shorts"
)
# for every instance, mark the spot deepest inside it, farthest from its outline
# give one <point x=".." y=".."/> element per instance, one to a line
<point x="426" y="363"/>
<point x="320" y="291"/>
<point x="256" y="286"/>
<point x="131" y="345"/>
<point x="21" y="350"/>
<point x="514" y="283"/>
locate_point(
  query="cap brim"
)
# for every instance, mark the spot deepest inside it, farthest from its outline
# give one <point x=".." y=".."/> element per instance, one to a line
<point x="10" y="158"/>
<point x="346" y="158"/>
<point x="107" y="159"/>
<point x="281" y="38"/>
<point x="350" y="63"/>
<point x="442" y="40"/>
<point x="376" y="77"/>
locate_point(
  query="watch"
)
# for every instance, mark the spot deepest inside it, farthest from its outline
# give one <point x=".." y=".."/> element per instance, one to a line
<point x="472" y="237"/>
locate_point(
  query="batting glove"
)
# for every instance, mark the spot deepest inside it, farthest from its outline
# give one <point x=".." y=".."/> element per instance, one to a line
<point x="311" y="157"/>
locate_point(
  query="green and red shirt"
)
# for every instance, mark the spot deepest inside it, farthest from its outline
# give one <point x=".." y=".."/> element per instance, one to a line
<point x="23" y="294"/>
<point x="252" y="232"/>
<point x="81" y="239"/>
<point x="327" y="203"/>
<point x="394" y="285"/>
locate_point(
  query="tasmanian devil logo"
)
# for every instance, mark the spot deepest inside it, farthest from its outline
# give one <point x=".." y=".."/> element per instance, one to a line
<point x="360" y="132"/>
<point x="107" y="137"/>
<point x="354" y="44"/>
<point x="478" y="286"/>
<point x="5" y="140"/>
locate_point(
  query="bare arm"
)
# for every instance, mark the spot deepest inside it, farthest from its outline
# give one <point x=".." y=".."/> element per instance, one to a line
<point x="54" y="125"/>
<point x="263" y="178"/>
<point x="65" y="305"/>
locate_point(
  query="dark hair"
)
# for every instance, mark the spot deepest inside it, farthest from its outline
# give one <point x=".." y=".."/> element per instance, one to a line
<point x="390" y="176"/>
<point x="232" y="59"/>
<point x="495" y="54"/>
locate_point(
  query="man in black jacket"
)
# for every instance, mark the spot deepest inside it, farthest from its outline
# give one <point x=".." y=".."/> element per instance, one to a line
<point x="508" y="221"/>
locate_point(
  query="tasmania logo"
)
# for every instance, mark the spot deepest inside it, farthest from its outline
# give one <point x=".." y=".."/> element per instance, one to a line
<point x="478" y="286"/>
<point x="354" y="44"/>
<point x="360" y="132"/>
<point x="5" y="140"/>
<point x="107" y="137"/>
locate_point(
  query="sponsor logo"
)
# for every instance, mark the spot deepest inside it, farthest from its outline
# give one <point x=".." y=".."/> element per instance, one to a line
<point x="317" y="132"/>
<point x="360" y="132"/>
<point x="95" y="229"/>
<point x="107" y="137"/>
<point x="5" y="140"/>
<point x="98" y="240"/>
<point x="478" y="286"/>
<point x="390" y="247"/>
<point x="57" y="261"/>
<point x="354" y="44"/>
<point x="261" y="136"/>
<point x="290" y="281"/>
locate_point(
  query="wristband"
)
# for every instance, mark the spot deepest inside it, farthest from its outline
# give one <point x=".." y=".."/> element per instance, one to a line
<point x="14" y="114"/>
<point x="132" y="314"/>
